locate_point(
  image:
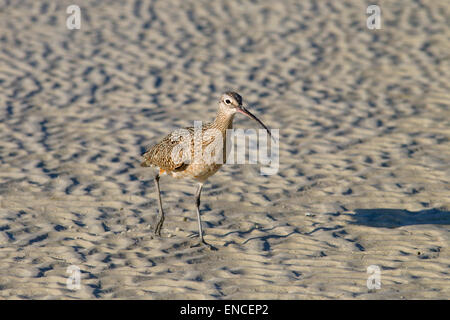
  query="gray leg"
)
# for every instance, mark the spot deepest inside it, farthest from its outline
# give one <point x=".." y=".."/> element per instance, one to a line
<point x="197" y="204"/>
<point x="200" y="231"/>
<point x="161" y="212"/>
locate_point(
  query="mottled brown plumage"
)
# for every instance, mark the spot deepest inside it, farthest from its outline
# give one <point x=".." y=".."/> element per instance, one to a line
<point x="196" y="153"/>
<point x="162" y="156"/>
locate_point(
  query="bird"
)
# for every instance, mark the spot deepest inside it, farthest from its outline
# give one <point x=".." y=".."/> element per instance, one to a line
<point x="177" y="154"/>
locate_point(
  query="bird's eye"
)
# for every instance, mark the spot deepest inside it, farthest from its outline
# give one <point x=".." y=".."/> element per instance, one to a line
<point x="227" y="101"/>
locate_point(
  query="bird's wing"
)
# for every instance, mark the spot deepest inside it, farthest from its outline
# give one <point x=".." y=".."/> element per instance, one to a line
<point x="172" y="153"/>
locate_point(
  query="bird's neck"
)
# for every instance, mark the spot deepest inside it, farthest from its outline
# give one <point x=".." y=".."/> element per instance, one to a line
<point x="223" y="120"/>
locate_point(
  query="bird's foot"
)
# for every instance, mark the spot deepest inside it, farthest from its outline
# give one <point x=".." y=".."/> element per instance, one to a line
<point x="202" y="243"/>
<point x="159" y="227"/>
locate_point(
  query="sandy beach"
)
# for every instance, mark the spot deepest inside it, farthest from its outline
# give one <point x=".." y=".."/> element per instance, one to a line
<point x="364" y="149"/>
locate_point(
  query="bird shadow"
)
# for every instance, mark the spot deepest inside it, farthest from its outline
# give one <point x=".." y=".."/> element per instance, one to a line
<point x="394" y="218"/>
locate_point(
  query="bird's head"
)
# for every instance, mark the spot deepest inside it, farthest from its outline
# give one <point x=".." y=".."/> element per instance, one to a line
<point x="231" y="102"/>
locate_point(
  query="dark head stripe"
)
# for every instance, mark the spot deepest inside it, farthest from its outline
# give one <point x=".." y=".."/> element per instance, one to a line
<point x="236" y="96"/>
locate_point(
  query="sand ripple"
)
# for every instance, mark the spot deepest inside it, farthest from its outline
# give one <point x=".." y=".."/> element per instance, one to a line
<point x="364" y="149"/>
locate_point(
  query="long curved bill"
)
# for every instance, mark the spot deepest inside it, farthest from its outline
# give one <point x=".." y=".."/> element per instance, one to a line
<point x="242" y="110"/>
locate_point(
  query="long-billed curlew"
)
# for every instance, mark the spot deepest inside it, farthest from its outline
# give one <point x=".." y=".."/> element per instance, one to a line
<point x="172" y="159"/>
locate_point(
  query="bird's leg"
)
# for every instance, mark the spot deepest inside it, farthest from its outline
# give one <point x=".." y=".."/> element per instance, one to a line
<point x="161" y="212"/>
<point x="200" y="231"/>
<point x="197" y="204"/>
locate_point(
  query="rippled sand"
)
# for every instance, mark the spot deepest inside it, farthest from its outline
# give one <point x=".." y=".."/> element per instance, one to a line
<point x="364" y="149"/>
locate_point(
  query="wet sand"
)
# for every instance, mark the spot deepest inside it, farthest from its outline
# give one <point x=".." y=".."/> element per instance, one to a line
<point x="364" y="152"/>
